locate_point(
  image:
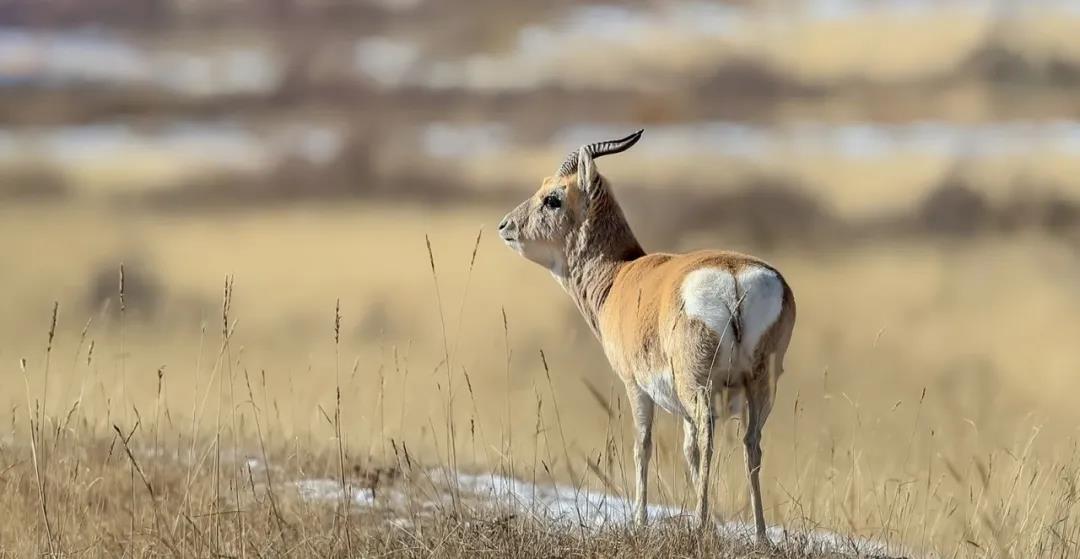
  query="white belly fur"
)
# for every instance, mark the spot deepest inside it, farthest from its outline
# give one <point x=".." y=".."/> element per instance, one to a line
<point x="661" y="388"/>
<point x="712" y="295"/>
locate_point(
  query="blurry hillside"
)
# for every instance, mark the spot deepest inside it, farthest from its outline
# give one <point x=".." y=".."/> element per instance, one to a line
<point x="886" y="117"/>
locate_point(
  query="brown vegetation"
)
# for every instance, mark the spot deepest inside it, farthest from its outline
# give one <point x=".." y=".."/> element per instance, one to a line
<point x="930" y="399"/>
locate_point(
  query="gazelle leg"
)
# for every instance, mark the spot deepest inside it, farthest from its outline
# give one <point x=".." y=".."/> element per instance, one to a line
<point x="759" y="400"/>
<point x="690" y="449"/>
<point x="705" y="423"/>
<point x="642" y="407"/>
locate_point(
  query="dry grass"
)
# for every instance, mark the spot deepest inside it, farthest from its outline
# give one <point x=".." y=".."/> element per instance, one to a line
<point x="929" y="401"/>
<point x="296" y="380"/>
<point x="108" y="501"/>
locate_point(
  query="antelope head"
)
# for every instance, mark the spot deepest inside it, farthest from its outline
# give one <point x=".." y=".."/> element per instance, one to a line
<point x="543" y="227"/>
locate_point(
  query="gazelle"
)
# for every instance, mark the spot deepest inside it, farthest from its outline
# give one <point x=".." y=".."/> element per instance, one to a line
<point x="678" y="329"/>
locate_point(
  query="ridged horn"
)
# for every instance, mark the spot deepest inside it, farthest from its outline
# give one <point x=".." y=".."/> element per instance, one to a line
<point x="598" y="149"/>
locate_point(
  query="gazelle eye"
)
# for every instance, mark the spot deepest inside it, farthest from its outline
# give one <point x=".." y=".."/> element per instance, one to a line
<point x="552" y="201"/>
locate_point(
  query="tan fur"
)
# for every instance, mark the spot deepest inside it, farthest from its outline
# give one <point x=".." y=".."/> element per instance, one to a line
<point x="634" y="304"/>
<point x="644" y="307"/>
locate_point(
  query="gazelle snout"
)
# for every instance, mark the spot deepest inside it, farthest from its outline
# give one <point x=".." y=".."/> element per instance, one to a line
<point x="508" y="229"/>
<point x="532" y="231"/>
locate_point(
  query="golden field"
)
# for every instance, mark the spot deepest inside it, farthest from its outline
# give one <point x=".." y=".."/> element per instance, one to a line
<point x="928" y="401"/>
<point x="320" y="348"/>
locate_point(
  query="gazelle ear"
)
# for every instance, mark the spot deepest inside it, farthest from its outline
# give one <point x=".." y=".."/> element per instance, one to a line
<point x="587" y="179"/>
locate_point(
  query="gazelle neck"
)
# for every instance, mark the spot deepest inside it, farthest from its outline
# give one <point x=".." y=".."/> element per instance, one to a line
<point x="594" y="255"/>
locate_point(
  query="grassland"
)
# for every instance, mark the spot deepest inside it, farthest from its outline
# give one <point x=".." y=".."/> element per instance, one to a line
<point x="929" y="400"/>
<point x="320" y="339"/>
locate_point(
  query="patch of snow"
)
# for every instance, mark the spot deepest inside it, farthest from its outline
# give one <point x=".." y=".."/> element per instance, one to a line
<point x="452" y="141"/>
<point x="567" y="506"/>
<point x="46" y="57"/>
<point x="856" y="141"/>
<point x="384" y="59"/>
<point x="158" y="156"/>
<point x="331" y="490"/>
<point x="557" y="503"/>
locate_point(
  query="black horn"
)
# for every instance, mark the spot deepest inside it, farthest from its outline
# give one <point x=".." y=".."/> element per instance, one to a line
<point x="599" y="149"/>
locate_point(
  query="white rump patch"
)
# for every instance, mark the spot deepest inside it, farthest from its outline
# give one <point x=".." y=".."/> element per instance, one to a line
<point x="762" y="299"/>
<point x="710" y="295"/>
<point x="714" y="296"/>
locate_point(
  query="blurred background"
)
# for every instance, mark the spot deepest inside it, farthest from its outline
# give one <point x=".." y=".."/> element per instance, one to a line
<point x="913" y="167"/>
